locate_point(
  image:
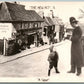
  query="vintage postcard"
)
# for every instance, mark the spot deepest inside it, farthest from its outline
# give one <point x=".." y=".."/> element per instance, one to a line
<point x="41" y="41"/>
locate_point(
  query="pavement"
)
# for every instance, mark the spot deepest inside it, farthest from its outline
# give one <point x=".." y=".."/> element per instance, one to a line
<point x="27" y="52"/>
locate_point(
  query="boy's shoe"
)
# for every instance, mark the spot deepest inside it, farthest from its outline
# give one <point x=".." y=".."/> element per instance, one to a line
<point x="57" y="71"/>
<point x="48" y="72"/>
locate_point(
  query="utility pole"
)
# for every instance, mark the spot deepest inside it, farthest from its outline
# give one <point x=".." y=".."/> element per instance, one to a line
<point x="4" y="50"/>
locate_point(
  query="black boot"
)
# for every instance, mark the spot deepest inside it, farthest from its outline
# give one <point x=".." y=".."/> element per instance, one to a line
<point x="72" y="69"/>
<point x="57" y="70"/>
<point x="78" y="71"/>
<point x="70" y="72"/>
<point x="49" y="72"/>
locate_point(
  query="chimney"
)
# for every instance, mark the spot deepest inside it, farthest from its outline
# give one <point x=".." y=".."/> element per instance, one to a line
<point x="43" y="16"/>
<point x="15" y="2"/>
<point x="52" y="15"/>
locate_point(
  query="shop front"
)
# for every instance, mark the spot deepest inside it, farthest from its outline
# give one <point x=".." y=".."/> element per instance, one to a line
<point x="7" y="38"/>
<point x="33" y="36"/>
<point x="25" y="22"/>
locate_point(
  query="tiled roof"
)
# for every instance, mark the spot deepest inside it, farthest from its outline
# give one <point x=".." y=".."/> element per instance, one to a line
<point x="57" y="21"/>
<point x="44" y="23"/>
<point x="34" y="16"/>
<point x="49" y="21"/>
<point x="18" y="13"/>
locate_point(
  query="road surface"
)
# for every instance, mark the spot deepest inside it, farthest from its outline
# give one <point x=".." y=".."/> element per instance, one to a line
<point x="36" y="66"/>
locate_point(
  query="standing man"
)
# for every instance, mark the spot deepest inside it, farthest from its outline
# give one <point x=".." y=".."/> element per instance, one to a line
<point x="76" y="48"/>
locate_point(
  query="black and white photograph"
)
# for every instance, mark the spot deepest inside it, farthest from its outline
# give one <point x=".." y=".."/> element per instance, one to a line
<point x="41" y="41"/>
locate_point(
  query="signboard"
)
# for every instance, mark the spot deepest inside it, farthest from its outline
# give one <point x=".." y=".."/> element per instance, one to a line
<point x="5" y="30"/>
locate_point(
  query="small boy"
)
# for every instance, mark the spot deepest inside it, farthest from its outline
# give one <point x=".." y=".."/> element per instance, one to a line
<point x="53" y="60"/>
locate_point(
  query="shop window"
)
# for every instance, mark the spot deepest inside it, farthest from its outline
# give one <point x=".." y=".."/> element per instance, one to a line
<point x="45" y="31"/>
<point x="27" y="25"/>
<point x="30" y="25"/>
<point x="21" y="25"/>
<point x="35" y="25"/>
<point x="39" y="24"/>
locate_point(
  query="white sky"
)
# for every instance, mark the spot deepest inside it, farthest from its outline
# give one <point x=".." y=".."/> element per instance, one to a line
<point x="64" y="10"/>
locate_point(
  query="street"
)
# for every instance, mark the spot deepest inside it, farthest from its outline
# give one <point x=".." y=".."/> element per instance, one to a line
<point x="36" y="66"/>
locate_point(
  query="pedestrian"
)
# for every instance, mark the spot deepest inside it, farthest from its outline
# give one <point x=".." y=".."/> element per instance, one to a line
<point x="50" y="39"/>
<point x="53" y="60"/>
<point x="76" y="48"/>
<point x="16" y="47"/>
<point x="38" y="36"/>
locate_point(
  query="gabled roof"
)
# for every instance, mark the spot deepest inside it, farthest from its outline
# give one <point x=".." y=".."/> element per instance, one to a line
<point x="57" y="21"/>
<point x="18" y="13"/>
<point x="34" y="16"/>
<point x="44" y="24"/>
<point x="49" y="21"/>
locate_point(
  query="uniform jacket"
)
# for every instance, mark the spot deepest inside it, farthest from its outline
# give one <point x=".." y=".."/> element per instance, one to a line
<point x="76" y="48"/>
